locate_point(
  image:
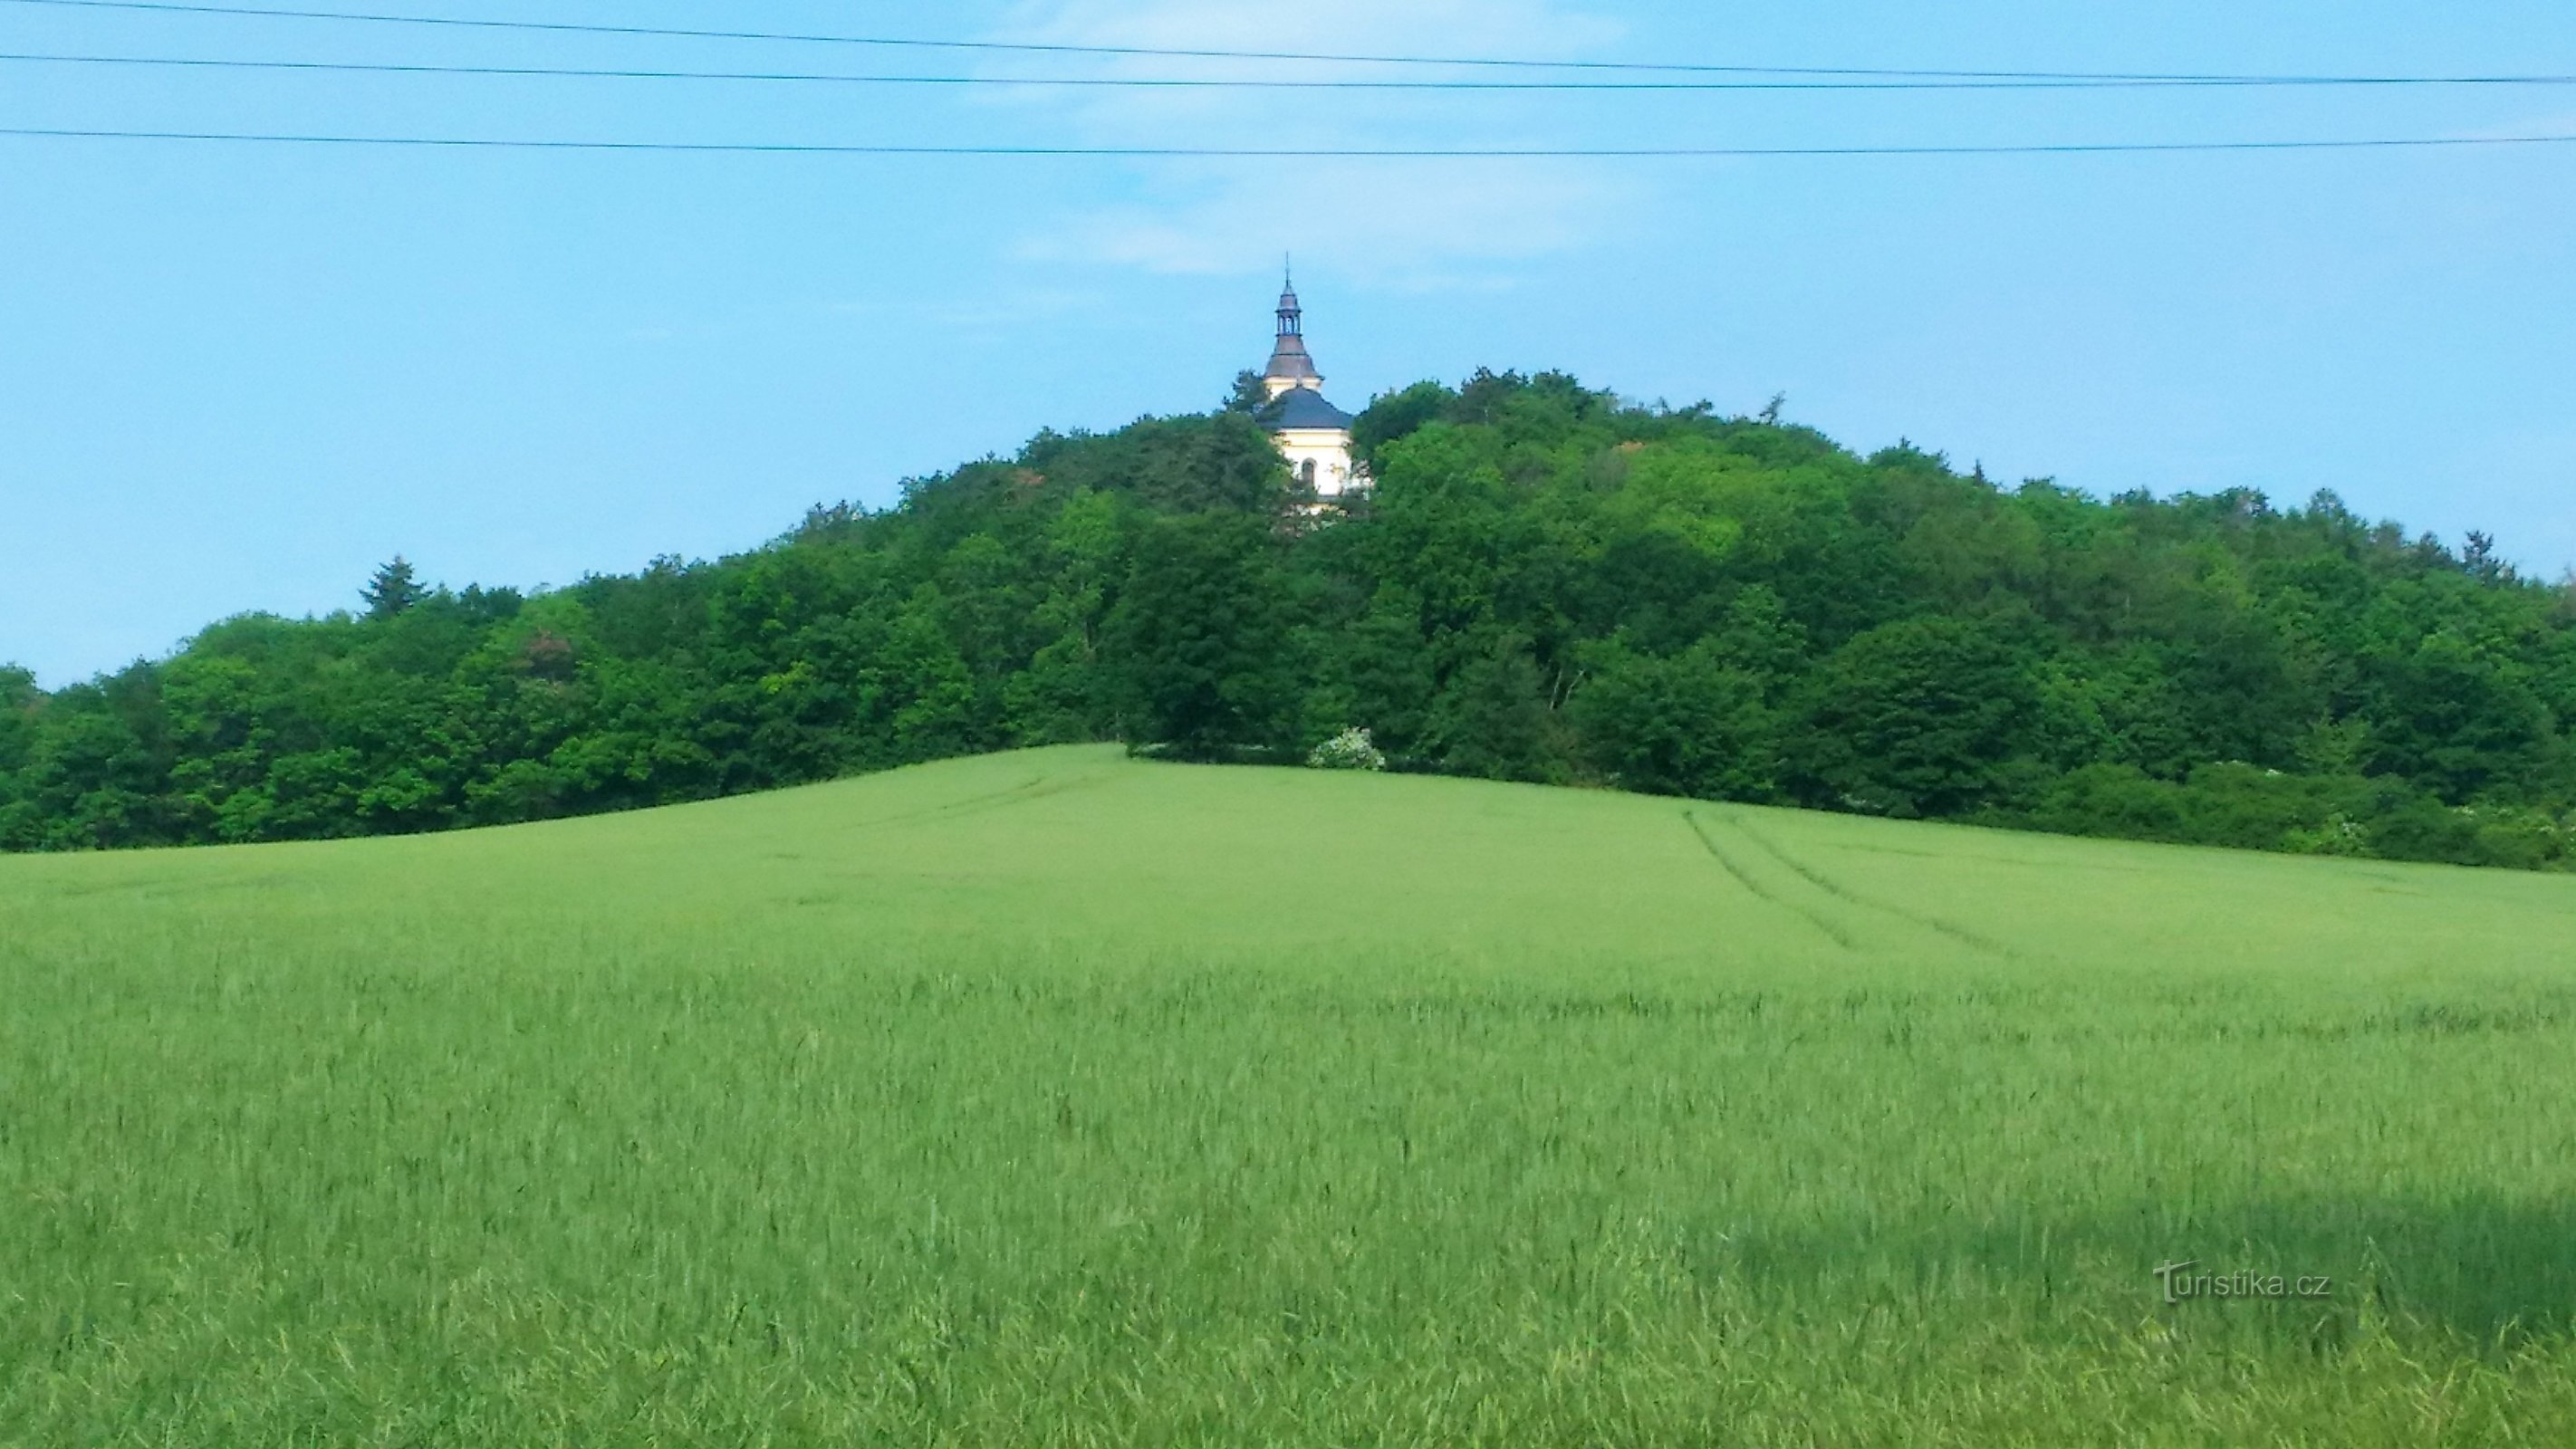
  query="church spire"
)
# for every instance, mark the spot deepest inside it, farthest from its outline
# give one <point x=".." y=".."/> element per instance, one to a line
<point x="1314" y="437"/>
<point x="1290" y="366"/>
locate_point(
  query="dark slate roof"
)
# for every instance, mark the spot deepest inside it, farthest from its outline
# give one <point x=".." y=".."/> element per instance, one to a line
<point x="1303" y="407"/>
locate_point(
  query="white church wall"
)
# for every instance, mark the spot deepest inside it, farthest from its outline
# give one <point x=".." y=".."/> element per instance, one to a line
<point x="1328" y="449"/>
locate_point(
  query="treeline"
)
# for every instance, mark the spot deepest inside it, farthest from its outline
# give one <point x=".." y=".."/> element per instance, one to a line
<point x="1546" y="584"/>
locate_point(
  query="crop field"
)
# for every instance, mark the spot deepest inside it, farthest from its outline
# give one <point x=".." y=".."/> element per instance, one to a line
<point x="1059" y="1098"/>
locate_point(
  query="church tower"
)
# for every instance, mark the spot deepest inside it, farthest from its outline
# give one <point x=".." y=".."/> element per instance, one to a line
<point x="1312" y="434"/>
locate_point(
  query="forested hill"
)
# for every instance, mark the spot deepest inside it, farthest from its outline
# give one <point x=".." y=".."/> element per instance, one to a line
<point x="1547" y="584"/>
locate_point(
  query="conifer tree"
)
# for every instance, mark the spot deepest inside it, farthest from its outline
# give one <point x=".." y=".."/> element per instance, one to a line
<point x="393" y="590"/>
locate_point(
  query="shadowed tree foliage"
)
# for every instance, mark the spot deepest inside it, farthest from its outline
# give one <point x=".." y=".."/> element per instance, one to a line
<point x="1684" y="724"/>
<point x="1249" y="396"/>
<point x="1547" y="583"/>
<point x="1199" y="637"/>
<point x="1918" y="717"/>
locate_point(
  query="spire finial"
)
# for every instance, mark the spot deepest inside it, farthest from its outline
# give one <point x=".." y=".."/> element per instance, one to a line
<point x="1290" y="315"/>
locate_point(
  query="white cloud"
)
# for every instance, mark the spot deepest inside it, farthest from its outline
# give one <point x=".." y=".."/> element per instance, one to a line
<point x="1402" y="222"/>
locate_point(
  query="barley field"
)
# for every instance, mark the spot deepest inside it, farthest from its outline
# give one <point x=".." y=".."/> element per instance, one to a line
<point x="1058" y="1098"/>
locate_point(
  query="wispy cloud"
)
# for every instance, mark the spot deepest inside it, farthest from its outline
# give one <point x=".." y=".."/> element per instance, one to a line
<point x="1402" y="223"/>
<point x="985" y="312"/>
<point x="1417" y="223"/>
<point x="2541" y="123"/>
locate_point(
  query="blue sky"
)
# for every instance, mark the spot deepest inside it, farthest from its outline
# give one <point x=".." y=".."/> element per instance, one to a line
<point x="236" y="378"/>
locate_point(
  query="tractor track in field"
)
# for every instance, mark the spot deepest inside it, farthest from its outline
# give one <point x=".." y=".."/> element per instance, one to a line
<point x="1832" y="913"/>
<point x="1841" y="892"/>
<point x="1832" y="929"/>
<point x="1037" y="787"/>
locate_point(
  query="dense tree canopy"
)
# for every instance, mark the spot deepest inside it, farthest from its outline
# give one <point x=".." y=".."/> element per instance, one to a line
<point x="1546" y="584"/>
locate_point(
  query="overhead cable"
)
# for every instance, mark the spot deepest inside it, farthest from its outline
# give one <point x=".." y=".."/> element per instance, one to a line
<point x="800" y="148"/>
<point x="221" y="63"/>
<point x="184" y="7"/>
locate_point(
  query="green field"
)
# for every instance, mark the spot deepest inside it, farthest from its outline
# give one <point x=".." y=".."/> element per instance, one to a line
<point x="1060" y="1098"/>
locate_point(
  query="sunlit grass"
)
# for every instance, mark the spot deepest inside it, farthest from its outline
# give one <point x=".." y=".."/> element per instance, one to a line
<point x="1059" y="1098"/>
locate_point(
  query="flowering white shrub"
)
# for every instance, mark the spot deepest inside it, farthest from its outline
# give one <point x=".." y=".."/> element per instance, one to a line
<point x="1350" y="750"/>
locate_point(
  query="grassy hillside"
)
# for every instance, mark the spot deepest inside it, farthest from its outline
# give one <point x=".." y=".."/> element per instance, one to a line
<point x="1056" y="1097"/>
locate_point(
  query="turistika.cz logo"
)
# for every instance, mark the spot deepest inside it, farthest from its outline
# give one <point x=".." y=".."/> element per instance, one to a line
<point x="2183" y="1283"/>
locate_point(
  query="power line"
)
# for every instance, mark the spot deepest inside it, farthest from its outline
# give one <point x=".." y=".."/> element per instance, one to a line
<point x="1295" y="153"/>
<point x="1265" y="83"/>
<point x="1166" y="52"/>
